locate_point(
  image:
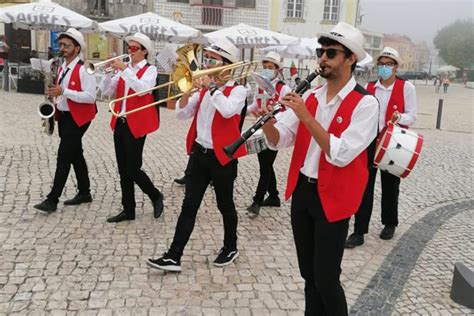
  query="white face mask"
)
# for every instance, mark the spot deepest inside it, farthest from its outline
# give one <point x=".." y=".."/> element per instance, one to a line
<point x="268" y="73"/>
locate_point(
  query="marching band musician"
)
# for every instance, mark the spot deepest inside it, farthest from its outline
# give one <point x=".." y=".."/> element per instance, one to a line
<point x="397" y="99"/>
<point x="130" y="130"/>
<point x="216" y="109"/>
<point x="267" y="182"/>
<point x="330" y="127"/>
<point x="75" y="92"/>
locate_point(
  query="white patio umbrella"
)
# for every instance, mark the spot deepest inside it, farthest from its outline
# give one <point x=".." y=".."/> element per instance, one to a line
<point x="45" y="15"/>
<point x="247" y="36"/>
<point x="154" y="26"/>
<point x="305" y="48"/>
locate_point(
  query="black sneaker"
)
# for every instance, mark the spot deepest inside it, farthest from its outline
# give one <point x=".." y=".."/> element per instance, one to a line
<point x="181" y="181"/>
<point x="354" y="240"/>
<point x="271" y="201"/>
<point x="79" y="199"/>
<point x="166" y="263"/>
<point x="253" y="210"/>
<point x="226" y="257"/>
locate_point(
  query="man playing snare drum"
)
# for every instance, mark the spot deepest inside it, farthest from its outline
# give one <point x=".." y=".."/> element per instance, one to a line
<point x="397" y="99"/>
<point x="267" y="181"/>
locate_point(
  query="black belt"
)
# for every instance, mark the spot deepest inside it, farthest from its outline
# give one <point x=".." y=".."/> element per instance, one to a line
<point x="197" y="147"/>
<point x="122" y="119"/>
<point x="308" y="179"/>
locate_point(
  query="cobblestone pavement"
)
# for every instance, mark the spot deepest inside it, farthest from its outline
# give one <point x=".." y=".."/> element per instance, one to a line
<point x="72" y="262"/>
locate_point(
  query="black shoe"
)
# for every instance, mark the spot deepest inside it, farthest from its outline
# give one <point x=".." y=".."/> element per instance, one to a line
<point x="122" y="216"/>
<point x="253" y="210"/>
<point x="166" y="263"/>
<point x="271" y="201"/>
<point x="387" y="232"/>
<point x="47" y="206"/>
<point x="79" y="199"/>
<point x="158" y="206"/>
<point x="181" y="181"/>
<point x="226" y="257"/>
<point x="354" y="240"/>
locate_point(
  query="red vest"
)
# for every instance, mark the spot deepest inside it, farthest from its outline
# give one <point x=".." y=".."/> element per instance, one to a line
<point x="340" y="189"/>
<point x="142" y="122"/>
<point x="81" y="113"/>
<point x="224" y="131"/>
<point x="397" y="98"/>
<point x="279" y="86"/>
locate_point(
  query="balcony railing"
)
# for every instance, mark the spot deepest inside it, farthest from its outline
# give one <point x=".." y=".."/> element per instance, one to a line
<point x="211" y="16"/>
<point x="225" y="4"/>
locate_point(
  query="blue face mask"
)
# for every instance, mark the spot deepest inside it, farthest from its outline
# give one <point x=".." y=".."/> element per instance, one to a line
<point x="268" y="73"/>
<point x="385" y="72"/>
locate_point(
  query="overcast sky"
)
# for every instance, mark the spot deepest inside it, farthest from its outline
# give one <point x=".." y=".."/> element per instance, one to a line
<point x="419" y="19"/>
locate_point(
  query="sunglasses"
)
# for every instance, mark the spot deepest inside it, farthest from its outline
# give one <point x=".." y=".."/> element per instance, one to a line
<point x="66" y="46"/>
<point x="133" y="49"/>
<point x="330" y="52"/>
<point x="211" y="61"/>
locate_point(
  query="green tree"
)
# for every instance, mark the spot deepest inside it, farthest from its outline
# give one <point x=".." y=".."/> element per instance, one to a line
<point x="455" y="43"/>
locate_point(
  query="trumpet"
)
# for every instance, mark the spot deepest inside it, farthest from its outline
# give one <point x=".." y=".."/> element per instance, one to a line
<point x="300" y="89"/>
<point x="186" y="74"/>
<point x="92" y="68"/>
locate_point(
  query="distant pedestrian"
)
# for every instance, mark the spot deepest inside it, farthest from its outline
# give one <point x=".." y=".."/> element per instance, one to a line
<point x="445" y="84"/>
<point x="437" y="83"/>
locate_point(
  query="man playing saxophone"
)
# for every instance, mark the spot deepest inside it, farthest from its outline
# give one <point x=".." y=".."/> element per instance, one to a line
<point x="75" y="92"/>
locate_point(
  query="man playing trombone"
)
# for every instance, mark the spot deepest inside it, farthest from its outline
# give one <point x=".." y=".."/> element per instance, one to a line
<point x="216" y="110"/>
<point x="130" y="130"/>
<point x="75" y="92"/>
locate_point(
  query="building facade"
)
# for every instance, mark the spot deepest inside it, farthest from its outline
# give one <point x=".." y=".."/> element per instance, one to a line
<point x="416" y="57"/>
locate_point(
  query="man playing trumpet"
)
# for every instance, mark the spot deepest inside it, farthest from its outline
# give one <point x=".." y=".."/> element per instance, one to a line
<point x="130" y="130"/>
<point x="216" y="110"/>
<point x="75" y="109"/>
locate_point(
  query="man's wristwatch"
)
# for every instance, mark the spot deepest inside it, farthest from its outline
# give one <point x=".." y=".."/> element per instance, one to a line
<point x="212" y="87"/>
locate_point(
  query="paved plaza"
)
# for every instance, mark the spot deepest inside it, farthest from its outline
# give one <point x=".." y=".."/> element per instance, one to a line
<point x="74" y="263"/>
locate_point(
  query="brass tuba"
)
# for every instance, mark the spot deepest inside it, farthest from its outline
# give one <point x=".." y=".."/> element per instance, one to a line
<point x="186" y="74"/>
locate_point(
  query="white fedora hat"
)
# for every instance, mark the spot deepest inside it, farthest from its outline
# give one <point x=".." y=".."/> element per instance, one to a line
<point x="77" y="36"/>
<point x="143" y="40"/>
<point x="348" y="36"/>
<point x="392" y="53"/>
<point x="273" y="57"/>
<point x="225" y="49"/>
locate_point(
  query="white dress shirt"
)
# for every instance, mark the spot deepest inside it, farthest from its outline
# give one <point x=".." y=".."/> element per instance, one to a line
<point x="359" y="134"/>
<point x="227" y="107"/>
<point x="383" y="94"/>
<point x="284" y="90"/>
<point x="108" y="86"/>
<point x="88" y="84"/>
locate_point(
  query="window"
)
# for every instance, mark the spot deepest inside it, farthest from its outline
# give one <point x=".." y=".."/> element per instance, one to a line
<point x="245" y="3"/>
<point x="97" y="7"/>
<point x="294" y="9"/>
<point x="331" y="10"/>
<point x="182" y="1"/>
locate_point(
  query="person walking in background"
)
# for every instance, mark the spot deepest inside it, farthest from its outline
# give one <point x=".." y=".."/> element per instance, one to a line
<point x="445" y="84"/>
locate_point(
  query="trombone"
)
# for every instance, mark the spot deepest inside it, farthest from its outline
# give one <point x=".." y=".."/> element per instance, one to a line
<point x="185" y="75"/>
<point x="99" y="66"/>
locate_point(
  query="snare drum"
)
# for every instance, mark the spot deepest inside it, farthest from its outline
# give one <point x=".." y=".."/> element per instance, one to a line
<point x="256" y="143"/>
<point x="397" y="150"/>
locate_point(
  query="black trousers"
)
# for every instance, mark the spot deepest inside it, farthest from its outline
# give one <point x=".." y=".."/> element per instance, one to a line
<point x="320" y="247"/>
<point x="390" y="192"/>
<point x="70" y="152"/>
<point x="206" y="167"/>
<point x="129" y="152"/>
<point x="267" y="181"/>
<point x="189" y="170"/>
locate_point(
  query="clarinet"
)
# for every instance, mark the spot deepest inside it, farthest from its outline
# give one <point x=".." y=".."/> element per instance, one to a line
<point x="300" y="89"/>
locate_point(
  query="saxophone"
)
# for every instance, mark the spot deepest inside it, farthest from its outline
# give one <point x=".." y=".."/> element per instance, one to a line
<point x="46" y="109"/>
